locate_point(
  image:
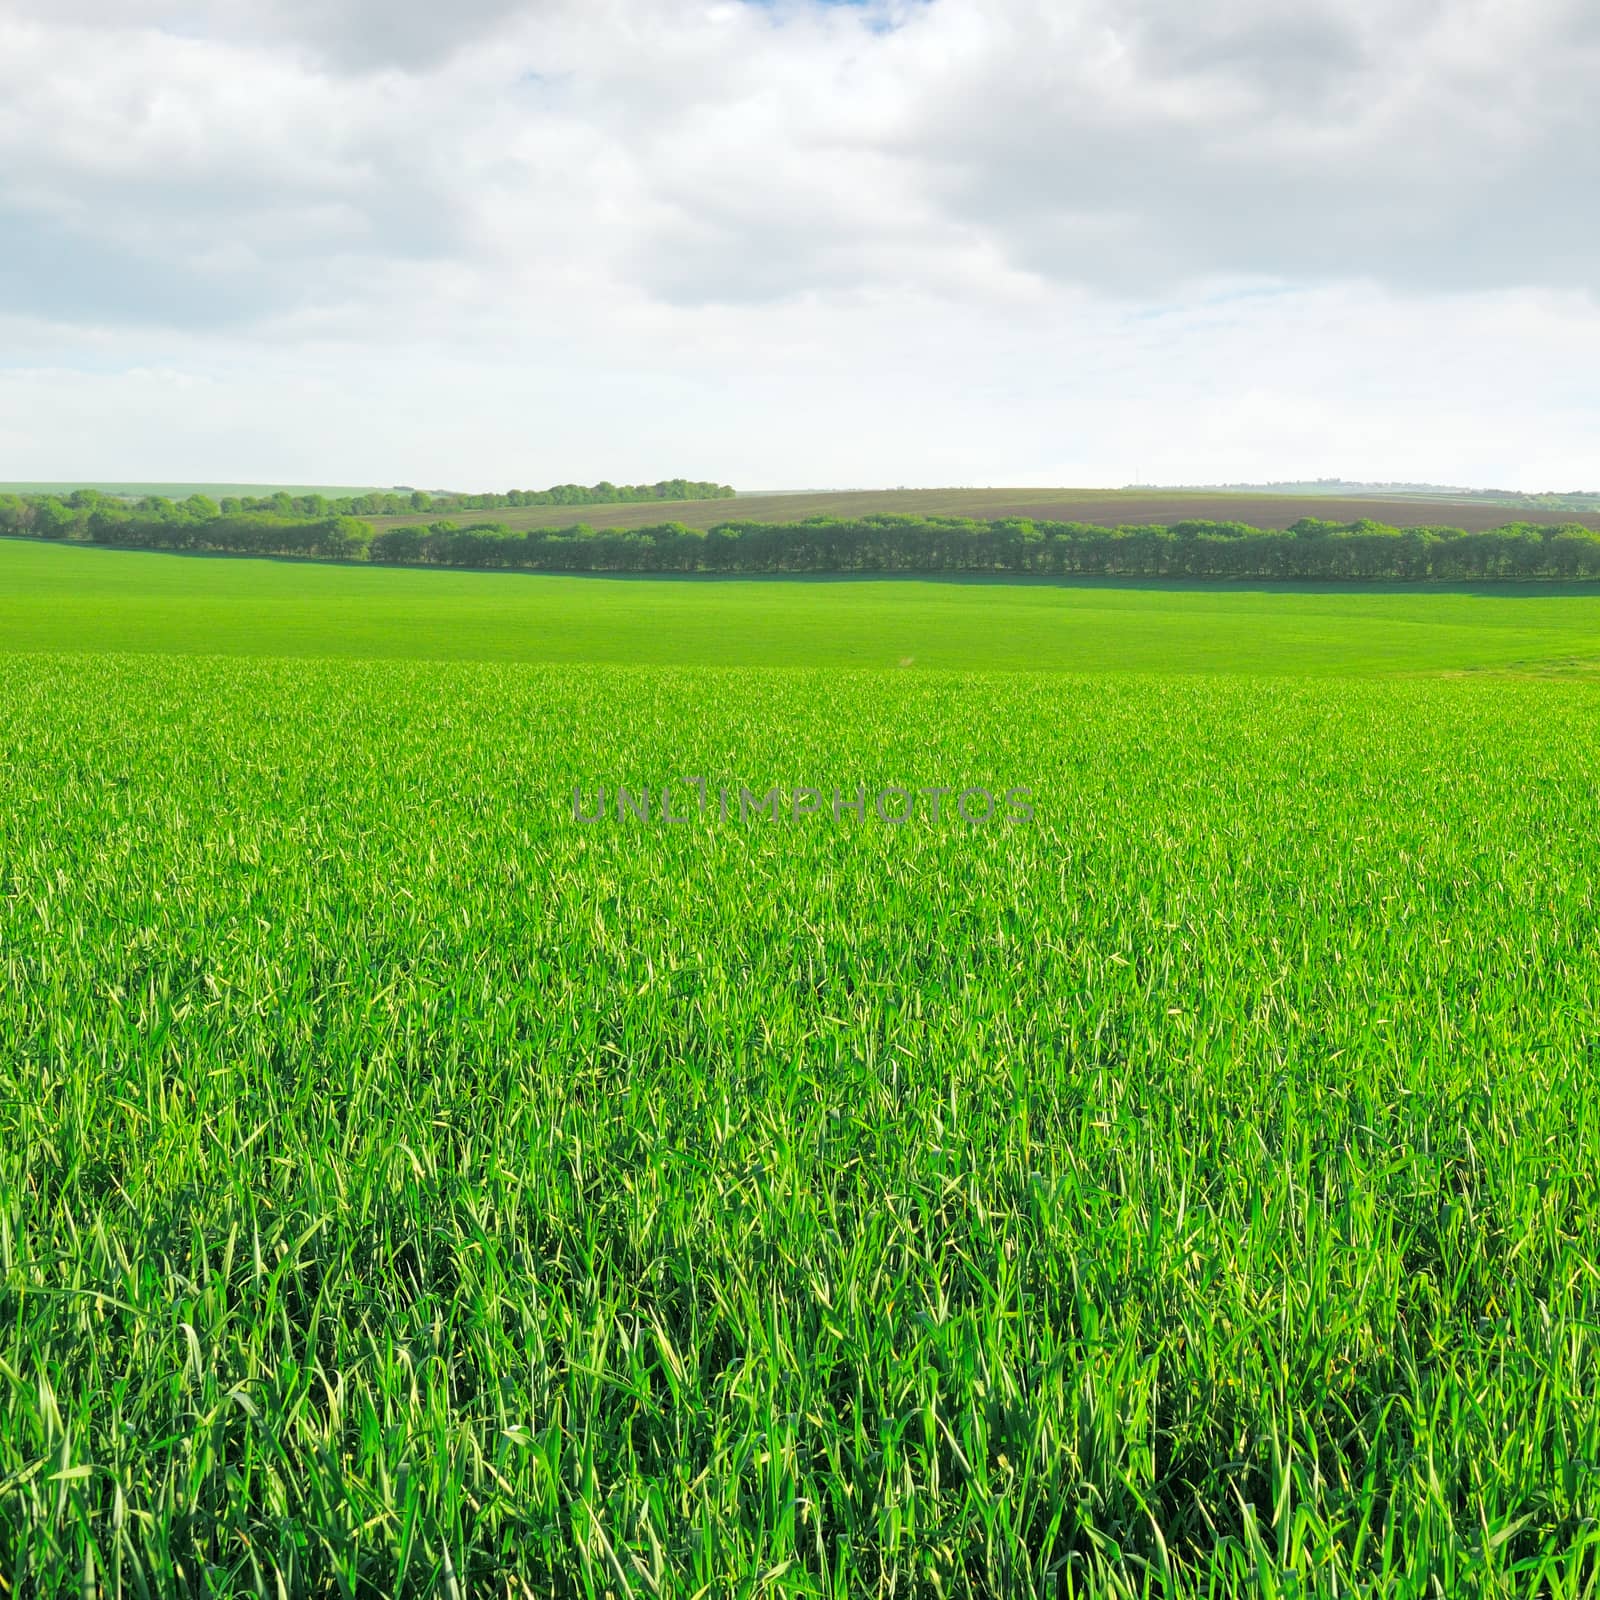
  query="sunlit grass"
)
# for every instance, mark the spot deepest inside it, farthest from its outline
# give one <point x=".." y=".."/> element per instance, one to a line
<point x="406" y="1190"/>
<point x="87" y="599"/>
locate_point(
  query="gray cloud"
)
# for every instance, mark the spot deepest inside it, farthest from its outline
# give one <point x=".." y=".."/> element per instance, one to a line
<point x="346" y="35"/>
<point x="1400" y="145"/>
<point x="235" y="161"/>
<point x="368" y="34"/>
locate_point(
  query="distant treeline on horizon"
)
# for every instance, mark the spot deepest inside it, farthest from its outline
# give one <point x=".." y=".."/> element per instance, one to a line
<point x="1311" y="549"/>
<point x="68" y="509"/>
<point x="1514" y="499"/>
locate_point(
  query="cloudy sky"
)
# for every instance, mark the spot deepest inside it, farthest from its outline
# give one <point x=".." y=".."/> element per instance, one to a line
<point x="794" y="244"/>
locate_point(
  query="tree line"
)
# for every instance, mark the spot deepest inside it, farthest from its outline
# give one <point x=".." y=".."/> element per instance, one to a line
<point x="1311" y="549"/>
<point x="400" y="501"/>
<point x="66" y="516"/>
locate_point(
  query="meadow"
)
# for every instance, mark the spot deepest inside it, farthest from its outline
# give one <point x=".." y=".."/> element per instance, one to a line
<point x="73" y="597"/>
<point x="406" y="1188"/>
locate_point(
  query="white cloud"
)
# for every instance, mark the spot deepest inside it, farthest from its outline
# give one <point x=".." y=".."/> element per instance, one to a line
<point x="917" y="240"/>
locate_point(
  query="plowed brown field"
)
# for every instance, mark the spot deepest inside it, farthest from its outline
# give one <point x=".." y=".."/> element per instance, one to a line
<point x="1107" y="507"/>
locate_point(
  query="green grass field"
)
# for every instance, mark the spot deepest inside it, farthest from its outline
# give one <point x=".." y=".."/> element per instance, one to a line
<point x="406" y="1188"/>
<point x="56" y="597"/>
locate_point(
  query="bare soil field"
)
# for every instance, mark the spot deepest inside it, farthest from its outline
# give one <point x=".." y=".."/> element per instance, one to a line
<point x="1107" y="507"/>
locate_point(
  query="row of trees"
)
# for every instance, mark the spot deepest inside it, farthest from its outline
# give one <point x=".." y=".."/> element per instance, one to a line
<point x="256" y="534"/>
<point x="67" y="516"/>
<point x="1311" y="549"/>
<point x="398" y="502"/>
<point x="50" y="516"/>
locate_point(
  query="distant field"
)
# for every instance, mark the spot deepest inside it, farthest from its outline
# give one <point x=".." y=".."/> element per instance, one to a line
<point x="181" y="491"/>
<point x="55" y="597"/>
<point x="1101" y="506"/>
